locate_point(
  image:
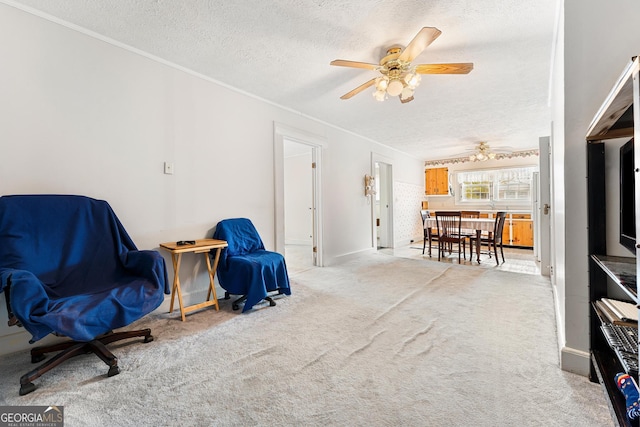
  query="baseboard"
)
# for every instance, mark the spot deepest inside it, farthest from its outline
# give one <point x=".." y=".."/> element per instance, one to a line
<point x="195" y="296"/>
<point x="19" y="341"/>
<point x="571" y="359"/>
<point x="576" y="361"/>
<point x="559" y="326"/>
<point x="14" y="342"/>
<point x="407" y="242"/>
<point x="519" y="247"/>
<point x="340" y="259"/>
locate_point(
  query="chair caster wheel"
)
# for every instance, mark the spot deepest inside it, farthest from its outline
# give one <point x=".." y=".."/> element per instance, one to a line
<point x="35" y="358"/>
<point x="148" y="338"/>
<point x="114" y="370"/>
<point x="235" y="306"/>
<point x="26" y="388"/>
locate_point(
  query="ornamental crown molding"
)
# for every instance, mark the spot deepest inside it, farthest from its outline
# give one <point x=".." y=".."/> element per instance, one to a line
<point x="526" y="153"/>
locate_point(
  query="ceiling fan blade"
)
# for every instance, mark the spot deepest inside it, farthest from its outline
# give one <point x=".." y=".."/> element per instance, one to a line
<point x="458" y="68"/>
<point x="424" y="38"/>
<point x="354" y="64"/>
<point x="358" y="89"/>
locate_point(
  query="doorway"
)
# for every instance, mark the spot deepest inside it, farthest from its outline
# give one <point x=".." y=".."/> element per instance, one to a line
<point x="383" y="205"/>
<point x="298" y="216"/>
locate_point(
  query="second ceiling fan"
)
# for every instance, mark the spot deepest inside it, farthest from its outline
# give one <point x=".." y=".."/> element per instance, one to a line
<point x="398" y="76"/>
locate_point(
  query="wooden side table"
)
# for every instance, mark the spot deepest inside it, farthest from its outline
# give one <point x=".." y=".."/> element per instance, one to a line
<point x="201" y="246"/>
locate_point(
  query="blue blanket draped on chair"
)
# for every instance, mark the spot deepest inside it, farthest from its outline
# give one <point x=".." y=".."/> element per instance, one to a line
<point x="245" y="267"/>
<point x="72" y="267"/>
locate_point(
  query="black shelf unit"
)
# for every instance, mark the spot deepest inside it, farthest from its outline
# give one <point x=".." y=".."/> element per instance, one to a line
<point x="616" y="118"/>
<point x="622" y="270"/>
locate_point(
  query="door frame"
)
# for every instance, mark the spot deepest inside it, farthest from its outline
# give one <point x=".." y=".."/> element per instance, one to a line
<point x="317" y="144"/>
<point x="544" y="225"/>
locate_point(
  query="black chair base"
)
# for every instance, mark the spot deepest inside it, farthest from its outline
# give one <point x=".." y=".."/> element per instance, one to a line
<point x="235" y="305"/>
<point x="69" y="349"/>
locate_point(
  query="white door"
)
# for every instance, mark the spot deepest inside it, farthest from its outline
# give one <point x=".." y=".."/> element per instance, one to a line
<point x="298" y="194"/>
<point x="384" y="204"/>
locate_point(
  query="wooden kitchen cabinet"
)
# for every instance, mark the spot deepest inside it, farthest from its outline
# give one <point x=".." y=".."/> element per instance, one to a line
<point x="436" y="181"/>
<point x="506" y="232"/>
<point x="522" y="233"/>
<point x="518" y="230"/>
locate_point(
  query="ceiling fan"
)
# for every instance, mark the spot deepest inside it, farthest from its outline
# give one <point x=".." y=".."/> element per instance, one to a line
<point x="398" y="76"/>
<point x="483" y="152"/>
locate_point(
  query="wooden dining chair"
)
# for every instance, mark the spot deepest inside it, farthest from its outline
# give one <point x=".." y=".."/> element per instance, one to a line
<point x="428" y="234"/>
<point x="448" y="223"/>
<point x="468" y="234"/>
<point x="493" y="239"/>
<point x="424" y="214"/>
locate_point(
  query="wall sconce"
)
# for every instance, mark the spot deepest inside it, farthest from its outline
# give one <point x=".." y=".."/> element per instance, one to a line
<point x="369" y="186"/>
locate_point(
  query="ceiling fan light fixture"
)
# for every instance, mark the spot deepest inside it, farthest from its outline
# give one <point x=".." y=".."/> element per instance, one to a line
<point x="483" y="153"/>
<point x="382" y="83"/>
<point x="412" y="80"/>
<point x="379" y="95"/>
<point x="395" y="88"/>
<point x="407" y="92"/>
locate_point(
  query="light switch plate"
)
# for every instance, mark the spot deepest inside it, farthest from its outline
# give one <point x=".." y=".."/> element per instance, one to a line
<point x="168" y="168"/>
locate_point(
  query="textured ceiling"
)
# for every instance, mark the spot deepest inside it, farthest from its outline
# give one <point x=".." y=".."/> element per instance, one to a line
<point x="280" y="50"/>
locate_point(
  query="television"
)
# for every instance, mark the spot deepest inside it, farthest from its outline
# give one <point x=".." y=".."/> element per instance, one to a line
<point x="627" y="197"/>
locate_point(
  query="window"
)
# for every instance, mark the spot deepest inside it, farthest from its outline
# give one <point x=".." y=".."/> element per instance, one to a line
<point x="476" y="191"/>
<point x="514" y="184"/>
<point x="475" y="186"/>
<point x="513" y="192"/>
<point x="500" y="185"/>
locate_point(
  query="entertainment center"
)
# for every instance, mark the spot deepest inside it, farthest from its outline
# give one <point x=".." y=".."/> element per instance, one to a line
<point x="613" y="337"/>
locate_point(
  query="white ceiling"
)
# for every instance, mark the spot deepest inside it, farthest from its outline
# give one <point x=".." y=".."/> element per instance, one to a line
<point x="280" y="50"/>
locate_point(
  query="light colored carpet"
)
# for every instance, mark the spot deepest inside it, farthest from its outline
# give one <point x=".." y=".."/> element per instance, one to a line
<point x="380" y="341"/>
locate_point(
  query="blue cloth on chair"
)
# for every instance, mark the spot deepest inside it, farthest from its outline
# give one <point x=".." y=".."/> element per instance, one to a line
<point x="73" y="268"/>
<point x="245" y="267"/>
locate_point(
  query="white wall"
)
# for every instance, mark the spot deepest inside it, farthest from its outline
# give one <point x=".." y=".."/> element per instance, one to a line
<point x="599" y="40"/>
<point x="81" y="115"/>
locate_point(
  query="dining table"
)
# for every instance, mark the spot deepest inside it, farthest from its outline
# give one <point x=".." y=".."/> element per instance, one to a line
<point x="466" y="225"/>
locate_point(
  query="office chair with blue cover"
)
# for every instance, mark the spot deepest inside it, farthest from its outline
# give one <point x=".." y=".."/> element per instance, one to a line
<point x="246" y="268"/>
<point x="69" y="268"/>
